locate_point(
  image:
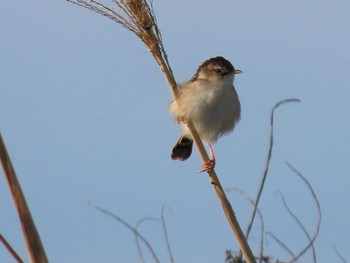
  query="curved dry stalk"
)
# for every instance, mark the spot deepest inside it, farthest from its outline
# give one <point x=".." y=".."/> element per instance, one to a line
<point x="31" y="236"/>
<point x="318" y="210"/>
<point x="137" y="238"/>
<point x="128" y="226"/>
<point x="269" y="155"/>
<point x="339" y="255"/>
<point x="166" y="236"/>
<point x="262" y="230"/>
<point x="278" y="241"/>
<point x="301" y="225"/>
<point x="138" y="16"/>
<point x="267" y="165"/>
<point x="10" y="249"/>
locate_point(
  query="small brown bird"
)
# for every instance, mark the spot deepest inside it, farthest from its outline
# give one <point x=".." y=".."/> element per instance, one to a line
<point x="211" y="102"/>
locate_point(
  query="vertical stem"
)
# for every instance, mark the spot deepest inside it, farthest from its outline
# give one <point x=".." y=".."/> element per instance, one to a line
<point x="35" y="248"/>
<point x="226" y="206"/>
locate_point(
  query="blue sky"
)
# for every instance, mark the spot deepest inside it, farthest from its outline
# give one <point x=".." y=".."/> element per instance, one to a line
<point x="83" y="110"/>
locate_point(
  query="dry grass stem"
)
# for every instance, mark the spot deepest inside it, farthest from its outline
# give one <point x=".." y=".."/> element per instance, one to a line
<point x="339" y="255"/>
<point x="166" y="236"/>
<point x="262" y="229"/>
<point x="266" y="170"/>
<point x="268" y="159"/>
<point x="31" y="236"/>
<point x="138" y="17"/>
<point x="130" y="227"/>
<point x="10" y="249"/>
<point x="137" y="237"/>
<point x="267" y="165"/>
<point x="314" y="196"/>
<point x="301" y="225"/>
<point x="281" y="243"/>
<point x="311" y="239"/>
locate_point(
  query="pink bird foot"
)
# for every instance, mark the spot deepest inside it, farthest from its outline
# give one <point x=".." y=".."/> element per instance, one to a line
<point x="209" y="165"/>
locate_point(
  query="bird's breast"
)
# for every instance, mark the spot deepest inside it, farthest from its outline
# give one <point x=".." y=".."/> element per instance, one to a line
<point x="214" y="109"/>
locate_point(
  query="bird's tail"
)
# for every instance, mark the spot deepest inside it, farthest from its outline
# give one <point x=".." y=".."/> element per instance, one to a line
<point x="183" y="148"/>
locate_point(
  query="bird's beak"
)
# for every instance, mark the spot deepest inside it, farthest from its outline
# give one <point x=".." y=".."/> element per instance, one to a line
<point x="237" y="71"/>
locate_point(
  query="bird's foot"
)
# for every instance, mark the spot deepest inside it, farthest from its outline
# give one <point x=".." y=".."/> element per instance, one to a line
<point x="208" y="166"/>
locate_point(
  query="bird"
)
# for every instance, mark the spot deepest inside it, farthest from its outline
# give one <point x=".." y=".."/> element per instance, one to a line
<point x="210" y="101"/>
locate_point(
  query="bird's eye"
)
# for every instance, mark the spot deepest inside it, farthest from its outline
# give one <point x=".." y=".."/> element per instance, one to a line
<point x="219" y="71"/>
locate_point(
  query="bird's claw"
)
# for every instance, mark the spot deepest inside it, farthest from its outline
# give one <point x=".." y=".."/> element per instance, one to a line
<point x="208" y="166"/>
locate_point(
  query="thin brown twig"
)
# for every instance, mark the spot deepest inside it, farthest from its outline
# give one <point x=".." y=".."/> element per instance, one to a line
<point x="267" y="165"/>
<point x="339" y="255"/>
<point x="262" y="230"/>
<point x="142" y="22"/>
<point x="128" y="226"/>
<point x="301" y="225"/>
<point x="281" y="243"/>
<point x="10" y="249"/>
<point x="137" y="237"/>
<point x="318" y="210"/>
<point x="269" y="155"/>
<point x="166" y="236"/>
<point x="31" y="236"/>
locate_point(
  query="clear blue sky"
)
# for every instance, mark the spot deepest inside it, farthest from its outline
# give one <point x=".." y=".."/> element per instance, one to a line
<point x="83" y="110"/>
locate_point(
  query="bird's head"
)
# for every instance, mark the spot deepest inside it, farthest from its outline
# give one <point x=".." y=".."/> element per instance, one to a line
<point x="216" y="69"/>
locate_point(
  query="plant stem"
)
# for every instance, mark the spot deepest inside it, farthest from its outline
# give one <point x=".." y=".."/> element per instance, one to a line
<point x="31" y="236"/>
